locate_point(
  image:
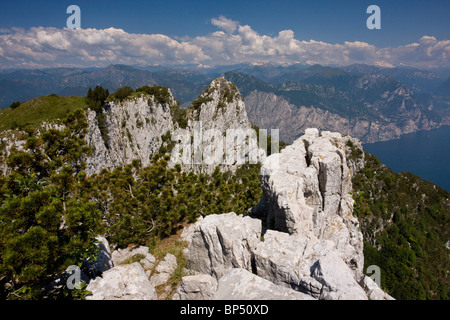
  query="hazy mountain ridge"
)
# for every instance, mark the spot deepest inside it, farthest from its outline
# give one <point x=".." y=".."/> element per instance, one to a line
<point x="387" y="102"/>
<point x="370" y="107"/>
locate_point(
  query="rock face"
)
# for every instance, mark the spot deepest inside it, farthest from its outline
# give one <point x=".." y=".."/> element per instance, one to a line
<point x="132" y="130"/>
<point x="223" y="241"/>
<point x="220" y="130"/>
<point x="197" y="287"/>
<point x="217" y="132"/>
<point x="392" y="107"/>
<point x="124" y="282"/>
<point x="306" y="191"/>
<point x="313" y="247"/>
<point x="240" y="284"/>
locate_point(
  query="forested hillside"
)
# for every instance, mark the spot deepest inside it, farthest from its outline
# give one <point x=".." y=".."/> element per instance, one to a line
<point x="405" y="223"/>
<point x="51" y="211"/>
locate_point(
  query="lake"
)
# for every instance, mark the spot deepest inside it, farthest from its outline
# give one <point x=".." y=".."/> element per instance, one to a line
<point x="423" y="153"/>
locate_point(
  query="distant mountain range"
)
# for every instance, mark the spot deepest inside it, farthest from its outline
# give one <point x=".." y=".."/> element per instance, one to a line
<point x="363" y="101"/>
<point x="367" y="102"/>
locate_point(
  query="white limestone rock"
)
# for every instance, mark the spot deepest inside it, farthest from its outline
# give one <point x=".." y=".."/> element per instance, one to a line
<point x="158" y="279"/>
<point x="221" y="121"/>
<point x="134" y="129"/>
<point x="123" y="282"/>
<point x="278" y="258"/>
<point x="224" y="241"/>
<point x="240" y="284"/>
<point x="168" y="265"/>
<point x="338" y="282"/>
<point x="373" y="291"/>
<point x="306" y="191"/>
<point x="164" y="270"/>
<point x="196" y="287"/>
<point x="148" y="262"/>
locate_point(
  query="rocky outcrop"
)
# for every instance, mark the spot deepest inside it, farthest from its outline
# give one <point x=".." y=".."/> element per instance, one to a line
<point x="133" y="273"/>
<point x="216" y="125"/>
<point x="240" y="284"/>
<point x="123" y="282"/>
<point x="313" y="246"/>
<point x="219" y="128"/>
<point x="306" y="191"/>
<point x="196" y="287"/>
<point x="220" y="242"/>
<point x="127" y="130"/>
<point x="215" y="131"/>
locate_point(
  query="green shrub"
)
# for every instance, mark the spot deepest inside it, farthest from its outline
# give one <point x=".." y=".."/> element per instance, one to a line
<point x="123" y="93"/>
<point x="161" y="94"/>
<point x="15" y="104"/>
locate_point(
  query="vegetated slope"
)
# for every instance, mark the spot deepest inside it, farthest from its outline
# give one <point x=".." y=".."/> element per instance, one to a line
<point x="38" y="110"/>
<point x="51" y="210"/>
<point x="405" y="223"/>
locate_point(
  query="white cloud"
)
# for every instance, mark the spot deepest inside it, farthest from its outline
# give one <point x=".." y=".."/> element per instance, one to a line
<point x="225" y="24"/>
<point x="233" y="43"/>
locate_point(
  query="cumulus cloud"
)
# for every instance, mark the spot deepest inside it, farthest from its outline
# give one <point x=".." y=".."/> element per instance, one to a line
<point x="225" y="24"/>
<point x="232" y="43"/>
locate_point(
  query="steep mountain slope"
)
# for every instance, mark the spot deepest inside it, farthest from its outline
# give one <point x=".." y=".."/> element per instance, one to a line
<point x="416" y="79"/>
<point x="406" y="227"/>
<point x="370" y="107"/>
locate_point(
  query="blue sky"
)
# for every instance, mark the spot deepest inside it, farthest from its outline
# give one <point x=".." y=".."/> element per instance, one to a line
<point x="328" y="21"/>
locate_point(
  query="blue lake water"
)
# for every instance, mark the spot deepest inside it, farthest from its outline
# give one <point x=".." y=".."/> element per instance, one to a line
<point x="423" y="153"/>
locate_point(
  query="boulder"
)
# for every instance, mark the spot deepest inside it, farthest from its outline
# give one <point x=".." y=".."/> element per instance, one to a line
<point x="296" y="262"/>
<point x="337" y="279"/>
<point x="278" y="258"/>
<point x="196" y="287"/>
<point x="148" y="262"/>
<point x="164" y="270"/>
<point x="220" y="242"/>
<point x="123" y="282"/>
<point x="168" y="265"/>
<point x="240" y="284"/>
<point x="158" y="279"/>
